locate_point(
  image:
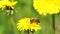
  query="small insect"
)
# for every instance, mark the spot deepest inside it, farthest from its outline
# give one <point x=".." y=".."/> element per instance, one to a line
<point x="9" y="10"/>
<point x="35" y="20"/>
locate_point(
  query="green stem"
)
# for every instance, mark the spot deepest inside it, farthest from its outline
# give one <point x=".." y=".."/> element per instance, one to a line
<point x="28" y="32"/>
<point x="14" y="26"/>
<point x="9" y="26"/>
<point x="53" y="17"/>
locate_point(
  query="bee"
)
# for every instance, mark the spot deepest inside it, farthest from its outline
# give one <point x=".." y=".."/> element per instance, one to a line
<point x="9" y="10"/>
<point x="34" y="20"/>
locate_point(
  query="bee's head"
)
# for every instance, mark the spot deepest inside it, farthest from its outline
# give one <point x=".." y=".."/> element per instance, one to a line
<point x="35" y="20"/>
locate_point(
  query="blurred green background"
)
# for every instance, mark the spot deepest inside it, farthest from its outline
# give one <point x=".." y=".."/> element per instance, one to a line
<point x="24" y="8"/>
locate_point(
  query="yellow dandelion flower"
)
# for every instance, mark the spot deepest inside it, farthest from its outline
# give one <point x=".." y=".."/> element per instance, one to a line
<point x="25" y="24"/>
<point x="45" y="7"/>
<point x="7" y="3"/>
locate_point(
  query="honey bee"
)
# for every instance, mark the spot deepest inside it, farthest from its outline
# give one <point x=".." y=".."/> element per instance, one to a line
<point x="9" y="10"/>
<point x="34" y="20"/>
